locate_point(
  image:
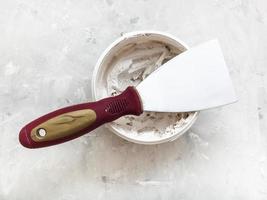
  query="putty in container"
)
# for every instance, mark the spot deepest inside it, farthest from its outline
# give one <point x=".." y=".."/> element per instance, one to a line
<point x="127" y="65"/>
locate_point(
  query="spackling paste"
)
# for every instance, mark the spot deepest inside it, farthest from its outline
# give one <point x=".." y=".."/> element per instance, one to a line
<point x="129" y="67"/>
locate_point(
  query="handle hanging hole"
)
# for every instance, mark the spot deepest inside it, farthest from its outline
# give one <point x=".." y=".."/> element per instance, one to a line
<point x="41" y="132"/>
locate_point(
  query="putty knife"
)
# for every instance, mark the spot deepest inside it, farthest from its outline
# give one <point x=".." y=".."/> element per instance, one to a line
<point x="194" y="80"/>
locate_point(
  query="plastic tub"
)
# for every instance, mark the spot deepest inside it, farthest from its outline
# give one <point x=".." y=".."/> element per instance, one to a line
<point x="102" y="70"/>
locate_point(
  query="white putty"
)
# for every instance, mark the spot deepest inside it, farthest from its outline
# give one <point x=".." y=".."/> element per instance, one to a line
<point x="128" y="68"/>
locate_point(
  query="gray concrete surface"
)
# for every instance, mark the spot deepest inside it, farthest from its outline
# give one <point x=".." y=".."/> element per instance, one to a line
<point x="48" y="50"/>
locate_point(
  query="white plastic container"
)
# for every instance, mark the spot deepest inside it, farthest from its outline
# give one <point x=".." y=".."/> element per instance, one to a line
<point x="99" y="79"/>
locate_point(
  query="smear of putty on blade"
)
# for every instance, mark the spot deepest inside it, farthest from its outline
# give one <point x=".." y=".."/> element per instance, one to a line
<point x="129" y="67"/>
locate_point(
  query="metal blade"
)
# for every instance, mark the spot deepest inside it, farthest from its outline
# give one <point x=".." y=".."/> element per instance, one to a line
<point x="194" y="80"/>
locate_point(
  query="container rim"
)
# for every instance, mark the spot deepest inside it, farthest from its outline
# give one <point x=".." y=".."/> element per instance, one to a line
<point x="95" y="75"/>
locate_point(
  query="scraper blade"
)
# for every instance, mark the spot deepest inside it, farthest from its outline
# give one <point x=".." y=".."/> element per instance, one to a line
<point x="194" y="80"/>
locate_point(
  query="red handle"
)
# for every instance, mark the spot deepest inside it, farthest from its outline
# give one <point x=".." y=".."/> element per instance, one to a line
<point x="71" y="122"/>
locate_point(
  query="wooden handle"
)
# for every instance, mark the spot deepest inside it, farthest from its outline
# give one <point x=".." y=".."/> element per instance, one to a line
<point x="71" y="122"/>
<point x="63" y="125"/>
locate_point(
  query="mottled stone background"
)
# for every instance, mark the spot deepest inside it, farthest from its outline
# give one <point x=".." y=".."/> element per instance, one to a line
<point x="48" y="50"/>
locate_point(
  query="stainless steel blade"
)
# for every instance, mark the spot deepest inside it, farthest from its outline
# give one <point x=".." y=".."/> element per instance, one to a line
<point x="195" y="80"/>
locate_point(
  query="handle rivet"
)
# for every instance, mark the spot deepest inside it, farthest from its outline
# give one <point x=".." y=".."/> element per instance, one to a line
<point x="41" y="132"/>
